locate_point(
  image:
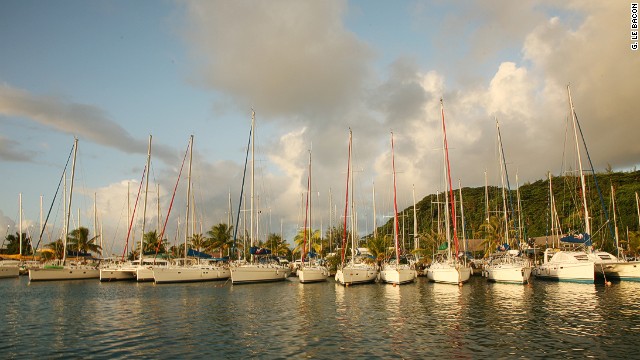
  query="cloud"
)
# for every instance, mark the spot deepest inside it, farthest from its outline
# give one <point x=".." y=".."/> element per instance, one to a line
<point x="285" y="57"/>
<point x="593" y="56"/>
<point x="86" y="121"/>
<point x="10" y="151"/>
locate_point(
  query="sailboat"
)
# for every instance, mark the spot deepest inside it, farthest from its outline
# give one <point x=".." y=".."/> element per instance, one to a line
<point x="71" y="270"/>
<point x="508" y="265"/>
<point x="11" y="267"/>
<point x="575" y="264"/>
<point x="449" y="267"/>
<point x="263" y="267"/>
<point x="611" y="267"/>
<point x="190" y="270"/>
<point x="357" y="270"/>
<point x="141" y="268"/>
<point x="397" y="271"/>
<point x="311" y="270"/>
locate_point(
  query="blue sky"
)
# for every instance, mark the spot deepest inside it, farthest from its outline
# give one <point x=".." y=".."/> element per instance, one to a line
<point x="114" y="72"/>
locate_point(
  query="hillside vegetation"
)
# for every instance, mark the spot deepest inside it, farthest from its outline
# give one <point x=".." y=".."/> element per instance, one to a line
<point x="535" y="214"/>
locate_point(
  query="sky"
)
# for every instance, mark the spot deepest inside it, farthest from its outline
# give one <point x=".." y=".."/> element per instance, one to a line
<point x="112" y="73"/>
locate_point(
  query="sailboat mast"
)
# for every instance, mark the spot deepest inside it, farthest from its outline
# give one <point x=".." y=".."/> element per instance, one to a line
<point x="615" y="222"/>
<point x="354" y="216"/>
<point x="253" y="143"/>
<point x="504" y="196"/>
<point x="395" y="203"/>
<point x="587" y="227"/>
<point x="186" y="231"/>
<point x="144" y="208"/>
<point x="346" y="202"/>
<point x="464" y="235"/>
<point x="375" y="225"/>
<point x="20" y="224"/>
<point x="73" y="173"/>
<point x="450" y="187"/>
<point x="416" y="245"/>
<point x="309" y="206"/>
<point x="638" y="208"/>
<point x="64" y="206"/>
<point x="520" y="227"/>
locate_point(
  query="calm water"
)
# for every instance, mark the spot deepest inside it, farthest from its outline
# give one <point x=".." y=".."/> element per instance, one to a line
<point x="89" y="319"/>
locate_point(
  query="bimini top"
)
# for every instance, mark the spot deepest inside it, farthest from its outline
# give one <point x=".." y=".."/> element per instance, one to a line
<point x="584" y="239"/>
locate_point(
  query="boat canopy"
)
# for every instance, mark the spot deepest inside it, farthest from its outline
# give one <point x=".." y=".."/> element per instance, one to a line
<point x="584" y="239"/>
<point x="198" y="254"/>
<point x="255" y="250"/>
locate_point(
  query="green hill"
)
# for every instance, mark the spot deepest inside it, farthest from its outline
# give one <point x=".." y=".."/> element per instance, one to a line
<point x="535" y="215"/>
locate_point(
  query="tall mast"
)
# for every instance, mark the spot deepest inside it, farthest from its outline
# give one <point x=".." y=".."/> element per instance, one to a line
<point x="64" y="206"/>
<point x="416" y="245"/>
<point x="638" y="208"/>
<point x="146" y="192"/>
<point x="450" y="187"/>
<point x="95" y="220"/>
<point x="375" y="226"/>
<point x="20" y="223"/>
<point x="464" y="235"/>
<point x="615" y="222"/>
<point x="486" y="197"/>
<point x="503" y="166"/>
<point x="395" y="204"/>
<point x="346" y="202"/>
<point x="354" y="216"/>
<point x="73" y="173"/>
<point x="309" y="207"/>
<point x="41" y="222"/>
<point x="587" y="227"/>
<point x="330" y="223"/>
<point x="520" y="227"/>
<point x="253" y="134"/>
<point x="186" y="231"/>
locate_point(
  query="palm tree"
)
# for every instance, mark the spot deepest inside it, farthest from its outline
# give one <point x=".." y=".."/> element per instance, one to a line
<point x="13" y="244"/>
<point x="377" y="246"/>
<point x="153" y="244"/>
<point x="79" y="241"/>
<point x="278" y="245"/>
<point x="198" y="241"/>
<point x="220" y="238"/>
<point x="313" y="242"/>
<point x="57" y="248"/>
<point x="493" y="231"/>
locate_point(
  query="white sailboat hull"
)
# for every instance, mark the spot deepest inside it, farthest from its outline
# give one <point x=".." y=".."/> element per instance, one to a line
<point x="144" y="274"/>
<point x="253" y="273"/>
<point x="356" y="274"/>
<point x="313" y="274"/>
<point x="570" y="266"/>
<point x="625" y="271"/>
<point x="508" y="273"/>
<point x="190" y="274"/>
<point x="448" y="273"/>
<point x="570" y="272"/>
<point x="117" y="274"/>
<point x="398" y="275"/>
<point x="9" y="271"/>
<point x="65" y="273"/>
